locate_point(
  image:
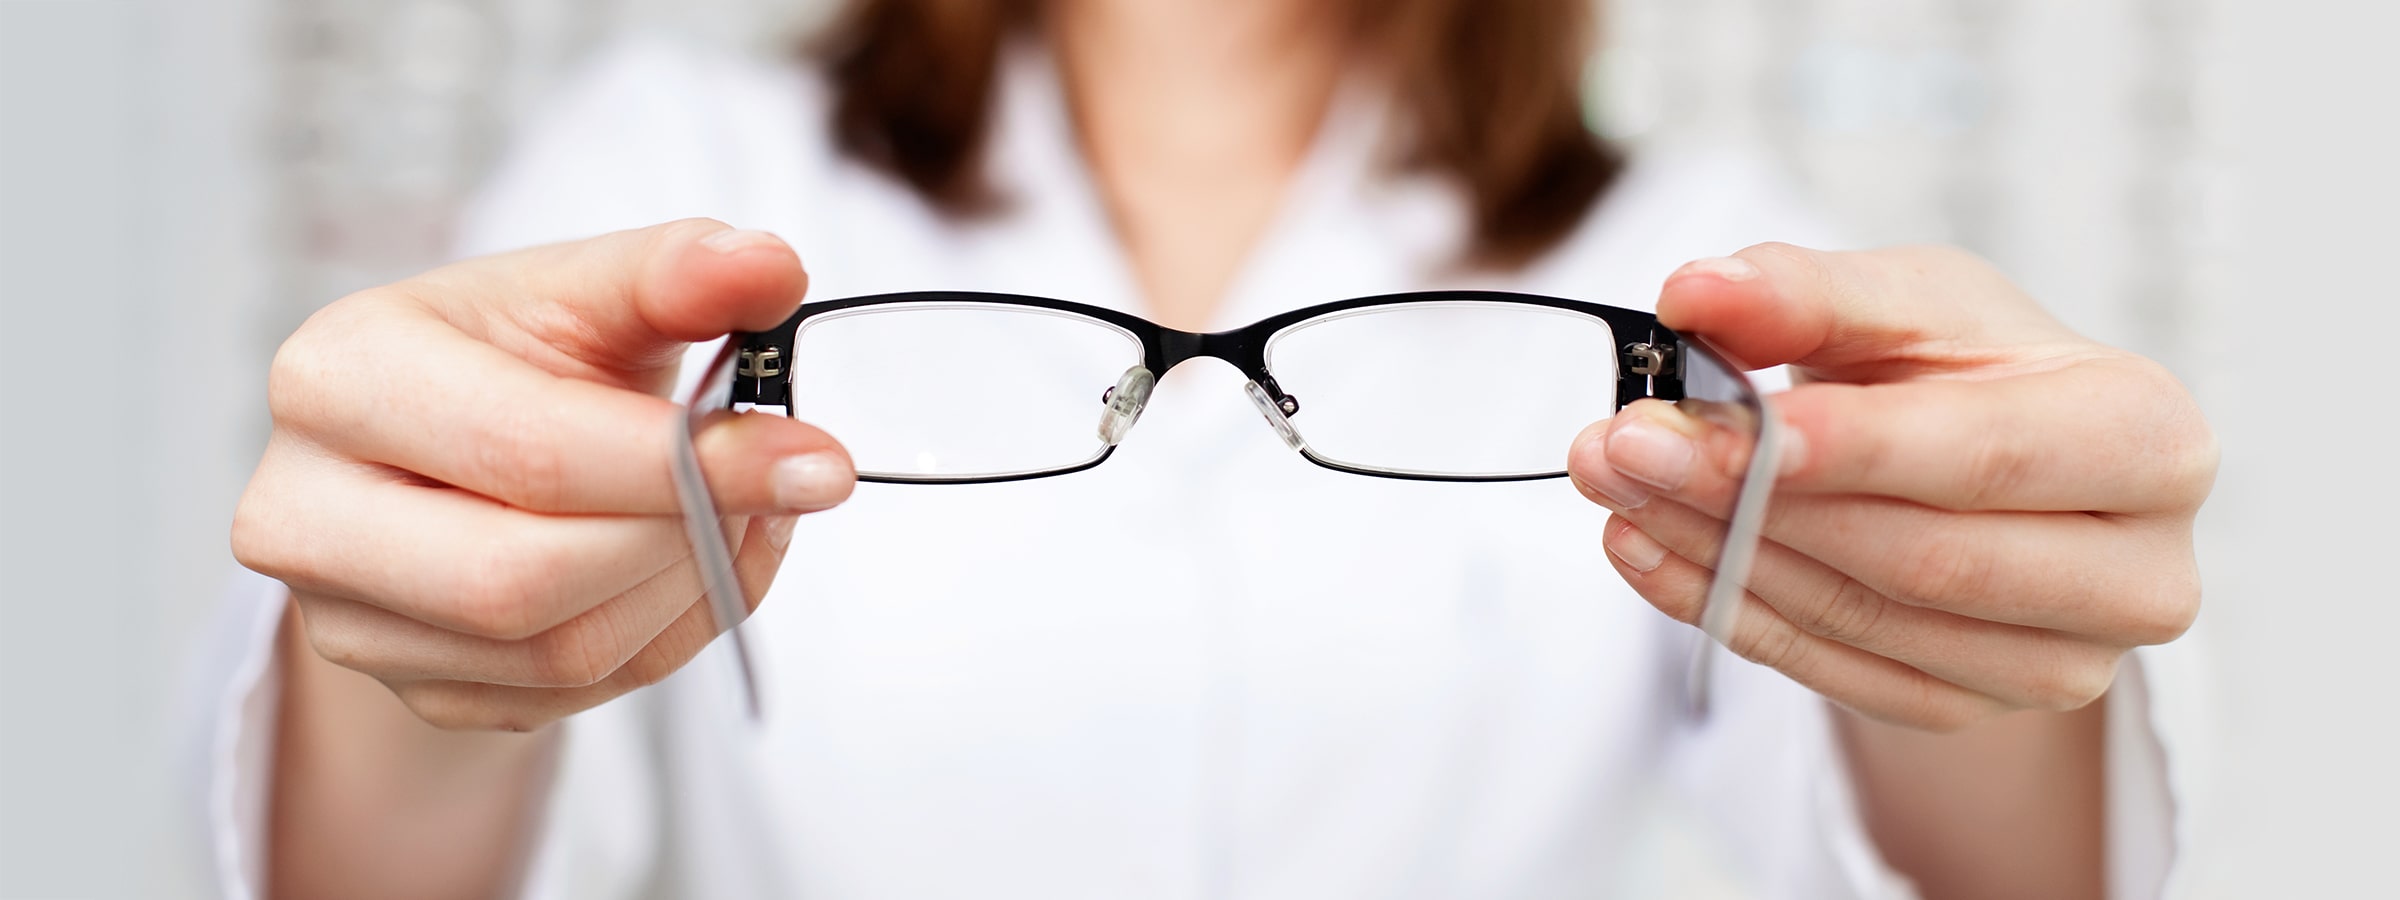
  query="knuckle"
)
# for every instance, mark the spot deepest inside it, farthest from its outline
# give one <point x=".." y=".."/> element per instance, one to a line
<point x="654" y="663"/>
<point x="1852" y="615"/>
<point x="301" y="366"/>
<point x="1683" y="603"/>
<point x="1941" y="708"/>
<point x="341" y="648"/>
<point x="309" y="365"/>
<point x="295" y="369"/>
<point x="2167" y="607"/>
<point x="1776" y="647"/>
<point x="1781" y="519"/>
<point x="664" y="235"/>
<point x="2072" y="684"/>
<point x="275" y="529"/>
<point x="580" y="653"/>
<point x="1998" y="465"/>
<point x="2193" y="459"/>
<point x="258" y="544"/>
<point x="466" y="706"/>
<point x="2186" y="453"/>
<point x="493" y="591"/>
<point x="649" y="669"/>
<point x="2194" y="467"/>
<point x="1684" y="606"/>
<point x="1938" y="571"/>
<point x="666" y="655"/>
<point x="516" y="460"/>
<point x="1949" y="716"/>
<point x="642" y="246"/>
<point x="442" y="706"/>
<point x="1808" y="265"/>
<point x="1787" y="253"/>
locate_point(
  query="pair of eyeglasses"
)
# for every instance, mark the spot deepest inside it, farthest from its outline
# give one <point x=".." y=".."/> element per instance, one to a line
<point x="953" y="387"/>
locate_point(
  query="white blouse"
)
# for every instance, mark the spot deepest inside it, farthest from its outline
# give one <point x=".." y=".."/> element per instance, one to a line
<point x="1206" y="669"/>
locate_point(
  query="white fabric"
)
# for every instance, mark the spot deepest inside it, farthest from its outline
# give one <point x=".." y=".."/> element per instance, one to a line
<point x="1204" y="669"/>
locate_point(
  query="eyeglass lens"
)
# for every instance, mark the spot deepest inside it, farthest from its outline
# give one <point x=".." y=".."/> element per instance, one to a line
<point x="958" y="390"/>
<point x="1460" y="389"/>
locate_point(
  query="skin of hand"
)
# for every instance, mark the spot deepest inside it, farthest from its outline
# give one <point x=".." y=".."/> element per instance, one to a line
<point x="467" y="488"/>
<point x="1979" y="511"/>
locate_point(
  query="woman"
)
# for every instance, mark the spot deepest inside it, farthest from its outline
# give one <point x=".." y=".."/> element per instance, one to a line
<point x="1204" y="669"/>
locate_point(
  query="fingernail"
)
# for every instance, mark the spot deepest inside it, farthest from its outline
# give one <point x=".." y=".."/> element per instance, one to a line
<point x="779" y="531"/>
<point x="1589" y="463"/>
<point x="1650" y="453"/>
<point x="1637" y="550"/>
<point x="811" y="481"/>
<point x="738" y="240"/>
<point x="1730" y="268"/>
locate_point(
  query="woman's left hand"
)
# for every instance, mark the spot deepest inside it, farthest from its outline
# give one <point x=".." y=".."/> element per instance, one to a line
<point x="1980" y="511"/>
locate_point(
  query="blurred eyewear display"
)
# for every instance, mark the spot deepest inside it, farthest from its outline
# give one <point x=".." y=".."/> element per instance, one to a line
<point x="954" y="387"/>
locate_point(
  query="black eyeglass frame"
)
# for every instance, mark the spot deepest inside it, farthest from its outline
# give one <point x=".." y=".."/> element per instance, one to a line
<point x="750" y="369"/>
<point x="1650" y="360"/>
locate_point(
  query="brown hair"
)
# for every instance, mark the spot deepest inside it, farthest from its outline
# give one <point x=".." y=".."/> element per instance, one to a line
<point x="1490" y="93"/>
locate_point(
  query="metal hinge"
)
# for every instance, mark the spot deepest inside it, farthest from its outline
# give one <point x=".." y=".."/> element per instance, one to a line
<point x="1649" y="359"/>
<point x="765" y="363"/>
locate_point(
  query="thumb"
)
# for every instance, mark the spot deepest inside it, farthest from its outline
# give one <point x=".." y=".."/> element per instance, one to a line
<point x="625" y="302"/>
<point x="1864" y="316"/>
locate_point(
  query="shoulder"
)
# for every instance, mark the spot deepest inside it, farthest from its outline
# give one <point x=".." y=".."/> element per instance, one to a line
<point x="646" y="131"/>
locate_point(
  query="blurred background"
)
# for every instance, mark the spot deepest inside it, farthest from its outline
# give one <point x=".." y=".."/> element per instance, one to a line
<point x="2208" y="182"/>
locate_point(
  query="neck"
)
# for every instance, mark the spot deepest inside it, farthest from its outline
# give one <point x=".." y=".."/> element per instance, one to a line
<point x="1193" y="115"/>
<point x="1198" y="80"/>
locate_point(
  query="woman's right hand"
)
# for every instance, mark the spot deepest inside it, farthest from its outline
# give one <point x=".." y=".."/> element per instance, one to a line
<point x="468" y="490"/>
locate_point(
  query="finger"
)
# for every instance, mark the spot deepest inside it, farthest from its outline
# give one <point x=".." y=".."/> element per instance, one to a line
<point x="471" y="705"/>
<point x="578" y="652"/>
<point x="472" y="415"/>
<point x="2025" y="667"/>
<point x="1866" y="316"/>
<point x="1651" y="449"/>
<point x="624" y="302"/>
<point x="2026" y="441"/>
<point x="2017" y="444"/>
<point x="439" y="555"/>
<point x="2118" y="580"/>
<point x="1875" y="686"/>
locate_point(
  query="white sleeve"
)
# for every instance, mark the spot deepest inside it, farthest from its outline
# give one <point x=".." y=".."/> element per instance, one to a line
<point x="1769" y="781"/>
<point x="229" y="744"/>
<point x="614" y="837"/>
<point x="2157" y="763"/>
<point x="1764" y="772"/>
<point x="624" y="146"/>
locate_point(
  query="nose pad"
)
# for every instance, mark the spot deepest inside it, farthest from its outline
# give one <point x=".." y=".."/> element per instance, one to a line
<point x="1274" y="411"/>
<point x="1121" y="405"/>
